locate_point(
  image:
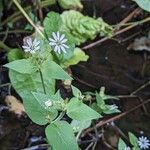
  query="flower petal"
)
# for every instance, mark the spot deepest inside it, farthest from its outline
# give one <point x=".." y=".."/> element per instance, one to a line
<point x="64" y="45"/>
<point x="54" y="36"/>
<point x="64" y="41"/>
<point x="62" y="37"/>
<point x="63" y="49"/>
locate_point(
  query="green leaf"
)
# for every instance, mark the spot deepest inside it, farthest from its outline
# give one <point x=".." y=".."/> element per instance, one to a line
<point x="80" y="125"/>
<point x="52" y="23"/>
<point x="78" y="56"/>
<point x="60" y="136"/>
<point x="54" y="71"/>
<point x="42" y="99"/>
<point x="121" y="145"/>
<point x="144" y="4"/>
<point x="83" y="27"/>
<point x="24" y="84"/>
<point x="70" y="4"/>
<point x="23" y="66"/>
<point x="77" y="110"/>
<point x="133" y="139"/>
<point x="15" y="54"/>
<point x="76" y="92"/>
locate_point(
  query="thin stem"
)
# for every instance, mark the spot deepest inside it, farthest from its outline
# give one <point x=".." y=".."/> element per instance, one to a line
<point x="4" y="46"/>
<point x="59" y="117"/>
<point x="27" y="17"/>
<point x="5" y="84"/>
<point x="140" y="88"/>
<point x="117" y="33"/>
<point x="17" y="15"/>
<point x="14" y="31"/>
<point x="78" y="135"/>
<point x="41" y="75"/>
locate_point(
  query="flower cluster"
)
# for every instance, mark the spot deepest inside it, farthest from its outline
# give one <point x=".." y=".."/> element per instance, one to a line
<point x="57" y="42"/>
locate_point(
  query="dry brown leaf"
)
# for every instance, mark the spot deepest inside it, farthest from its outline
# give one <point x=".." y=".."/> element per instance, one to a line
<point x="14" y="105"/>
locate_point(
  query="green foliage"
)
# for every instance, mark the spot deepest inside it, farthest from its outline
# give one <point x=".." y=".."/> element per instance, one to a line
<point x="121" y="145"/>
<point x="78" y="56"/>
<point x="14" y="54"/>
<point x="23" y="66"/>
<point x="52" y="23"/>
<point x="78" y="126"/>
<point x="134" y="141"/>
<point x="60" y="135"/>
<point x="70" y="4"/>
<point x="101" y="106"/>
<point x="144" y="4"/>
<point x="83" y="27"/>
<point x="54" y="70"/>
<point x="78" y="111"/>
<point x="24" y="84"/>
<point x="34" y="77"/>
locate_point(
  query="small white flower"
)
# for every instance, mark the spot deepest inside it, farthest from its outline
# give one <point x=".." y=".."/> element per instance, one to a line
<point x="127" y="148"/>
<point x="143" y="142"/>
<point x="48" y="103"/>
<point x="112" y="107"/>
<point x="58" y="42"/>
<point x="31" y="45"/>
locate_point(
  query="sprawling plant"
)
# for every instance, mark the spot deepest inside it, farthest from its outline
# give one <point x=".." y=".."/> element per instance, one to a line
<point x="34" y="77"/>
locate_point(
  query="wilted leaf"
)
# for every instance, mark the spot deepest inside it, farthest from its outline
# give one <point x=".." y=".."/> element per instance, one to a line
<point x="14" y="105"/>
<point x="83" y="27"/>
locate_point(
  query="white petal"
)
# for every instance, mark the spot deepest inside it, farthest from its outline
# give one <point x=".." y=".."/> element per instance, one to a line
<point x="58" y="35"/>
<point x="54" y="36"/>
<point x="63" y="49"/>
<point x="64" y="45"/>
<point x="52" y="40"/>
<point x="29" y="42"/>
<point x="52" y="43"/>
<point x="62" y="37"/>
<point x="64" y="41"/>
<point x="25" y="47"/>
<point x="56" y="48"/>
<point x="59" y="50"/>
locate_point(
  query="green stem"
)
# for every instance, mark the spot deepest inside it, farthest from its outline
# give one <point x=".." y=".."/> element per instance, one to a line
<point x="59" y="117"/>
<point x="4" y="46"/>
<point x="27" y="17"/>
<point x="41" y="75"/>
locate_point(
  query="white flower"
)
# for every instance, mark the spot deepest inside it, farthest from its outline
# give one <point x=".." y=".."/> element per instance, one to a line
<point x="127" y="148"/>
<point x="143" y="142"/>
<point x="31" y="46"/>
<point x="48" y="103"/>
<point x="58" y="42"/>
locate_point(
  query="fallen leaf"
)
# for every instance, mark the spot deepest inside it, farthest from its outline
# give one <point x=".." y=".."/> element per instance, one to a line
<point x="14" y="105"/>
